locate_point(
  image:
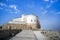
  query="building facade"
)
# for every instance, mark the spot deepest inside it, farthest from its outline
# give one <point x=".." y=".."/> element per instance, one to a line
<point x="25" y="22"/>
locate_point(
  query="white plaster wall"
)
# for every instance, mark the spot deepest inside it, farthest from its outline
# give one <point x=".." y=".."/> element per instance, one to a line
<point x="25" y="19"/>
<point x="31" y="19"/>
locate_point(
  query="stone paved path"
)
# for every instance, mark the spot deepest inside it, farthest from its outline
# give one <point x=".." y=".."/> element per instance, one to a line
<point x="24" y="35"/>
<point x="29" y="35"/>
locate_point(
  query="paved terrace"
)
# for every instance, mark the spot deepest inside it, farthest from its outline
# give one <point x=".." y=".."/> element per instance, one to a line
<point x="25" y="35"/>
<point x="29" y="35"/>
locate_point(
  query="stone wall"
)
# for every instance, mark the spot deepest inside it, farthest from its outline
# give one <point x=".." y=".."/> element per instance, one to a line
<point x="20" y="26"/>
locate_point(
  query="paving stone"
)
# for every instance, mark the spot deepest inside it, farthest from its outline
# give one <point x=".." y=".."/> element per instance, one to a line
<point x="24" y="35"/>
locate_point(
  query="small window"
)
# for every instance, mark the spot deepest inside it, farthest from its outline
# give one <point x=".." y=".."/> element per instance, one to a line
<point x="31" y="20"/>
<point x="34" y="20"/>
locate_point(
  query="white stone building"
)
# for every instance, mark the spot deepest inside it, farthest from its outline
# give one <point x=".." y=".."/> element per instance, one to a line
<point x="25" y="22"/>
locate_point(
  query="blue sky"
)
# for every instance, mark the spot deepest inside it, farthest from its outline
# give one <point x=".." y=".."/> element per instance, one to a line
<point x="48" y="11"/>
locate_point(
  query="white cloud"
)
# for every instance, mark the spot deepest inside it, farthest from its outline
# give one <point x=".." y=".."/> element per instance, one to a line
<point x="7" y="0"/>
<point x="48" y="6"/>
<point x="2" y="4"/>
<point x="58" y="12"/>
<point x="15" y="8"/>
<point x="46" y="0"/>
<point x="44" y="12"/>
<point x="11" y="11"/>
<point x="17" y="11"/>
<point x="52" y="1"/>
